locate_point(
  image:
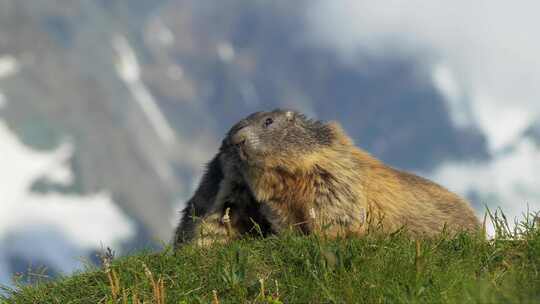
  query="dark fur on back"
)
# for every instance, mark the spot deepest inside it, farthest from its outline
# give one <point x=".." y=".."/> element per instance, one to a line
<point x="220" y="188"/>
<point x="201" y="202"/>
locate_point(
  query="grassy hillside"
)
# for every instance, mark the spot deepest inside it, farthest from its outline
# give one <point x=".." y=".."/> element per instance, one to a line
<point x="299" y="269"/>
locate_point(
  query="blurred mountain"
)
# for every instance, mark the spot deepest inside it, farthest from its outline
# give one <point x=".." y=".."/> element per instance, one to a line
<point x="144" y="90"/>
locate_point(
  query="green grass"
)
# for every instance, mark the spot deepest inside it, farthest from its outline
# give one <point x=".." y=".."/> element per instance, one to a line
<point x="306" y="269"/>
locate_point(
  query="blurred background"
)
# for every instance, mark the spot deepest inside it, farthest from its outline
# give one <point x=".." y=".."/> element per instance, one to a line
<point x="110" y="108"/>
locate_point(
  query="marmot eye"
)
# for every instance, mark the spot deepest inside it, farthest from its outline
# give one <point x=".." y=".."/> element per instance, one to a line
<point x="268" y="121"/>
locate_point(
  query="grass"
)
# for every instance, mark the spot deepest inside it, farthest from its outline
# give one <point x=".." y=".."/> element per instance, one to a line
<point x="464" y="268"/>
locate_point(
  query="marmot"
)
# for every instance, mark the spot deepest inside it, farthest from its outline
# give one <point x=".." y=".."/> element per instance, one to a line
<point x="283" y="170"/>
<point x="222" y="207"/>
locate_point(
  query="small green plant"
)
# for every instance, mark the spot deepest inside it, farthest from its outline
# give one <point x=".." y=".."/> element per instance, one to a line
<point x="234" y="271"/>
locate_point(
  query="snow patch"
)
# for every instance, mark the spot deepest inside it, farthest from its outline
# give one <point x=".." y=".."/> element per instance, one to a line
<point x="159" y="32"/>
<point x="82" y="222"/>
<point x="503" y="121"/>
<point x="445" y="81"/>
<point x="9" y="66"/>
<point x="509" y="181"/>
<point x="226" y="52"/>
<point x="129" y="70"/>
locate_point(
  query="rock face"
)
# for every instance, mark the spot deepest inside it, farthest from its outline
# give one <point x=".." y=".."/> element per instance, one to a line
<point x="145" y="90"/>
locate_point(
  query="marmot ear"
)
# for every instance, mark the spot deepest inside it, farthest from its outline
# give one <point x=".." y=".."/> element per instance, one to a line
<point x="289" y="115"/>
<point x="340" y="135"/>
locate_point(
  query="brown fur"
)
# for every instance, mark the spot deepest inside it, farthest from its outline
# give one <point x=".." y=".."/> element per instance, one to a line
<point x="337" y="189"/>
<point x="305" y="174"/>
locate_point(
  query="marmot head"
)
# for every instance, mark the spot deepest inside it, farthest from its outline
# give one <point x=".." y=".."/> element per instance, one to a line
<point x="277" y="138"/>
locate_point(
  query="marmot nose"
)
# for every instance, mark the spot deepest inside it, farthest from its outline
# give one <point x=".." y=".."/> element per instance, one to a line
<point x="239" y="138"/>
